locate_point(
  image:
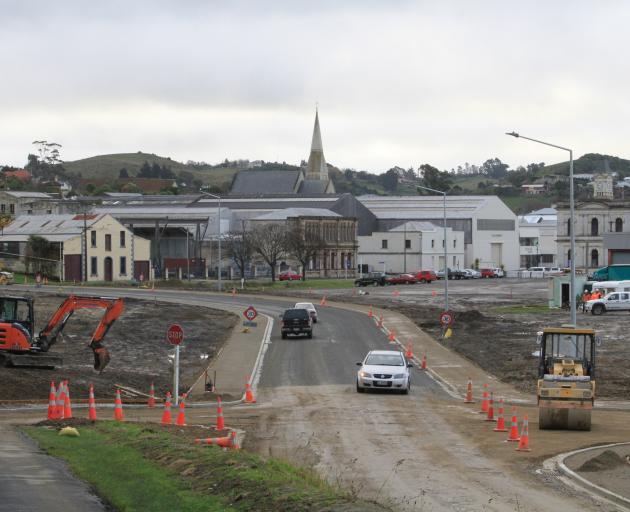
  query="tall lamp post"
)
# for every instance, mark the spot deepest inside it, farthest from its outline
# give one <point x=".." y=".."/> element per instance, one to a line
<point x="219" y="234"/>
<point x="572" y="296"/>
<point x="445" y="244"/>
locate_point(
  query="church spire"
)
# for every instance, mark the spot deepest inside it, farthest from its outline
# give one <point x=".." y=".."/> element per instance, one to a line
<point x="317" y="169"/>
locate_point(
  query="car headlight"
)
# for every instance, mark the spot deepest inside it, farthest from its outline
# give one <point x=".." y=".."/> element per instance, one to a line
<point x="365" y="375"/>
<point x="399" y="376"/>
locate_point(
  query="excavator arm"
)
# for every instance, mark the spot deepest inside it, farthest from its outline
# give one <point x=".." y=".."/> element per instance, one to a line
<point x="113" y="309"/>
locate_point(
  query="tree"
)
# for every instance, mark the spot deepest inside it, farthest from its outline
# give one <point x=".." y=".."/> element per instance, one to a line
<point x="239" y="248"/>
<point x="303" y="245"/>
<point x="494" y="168"/>
<point x="434" y="178"/>
<point x="123" y="173"/>
<point x="269" y="240"/>
<point x="389" y="180"/>
<point x="39" y="252"/>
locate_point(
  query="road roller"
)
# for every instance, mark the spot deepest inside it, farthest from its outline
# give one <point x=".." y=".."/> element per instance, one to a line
<point x="566" y="377"/>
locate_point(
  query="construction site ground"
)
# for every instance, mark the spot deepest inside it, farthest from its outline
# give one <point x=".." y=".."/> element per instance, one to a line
<point x="137" y="344"/>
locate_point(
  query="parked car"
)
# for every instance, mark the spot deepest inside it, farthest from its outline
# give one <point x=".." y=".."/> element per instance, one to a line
<point x="452" y="274"/>
<point x="289" y="275"/>
<point x="471" y="273"/>
<point x="614" y="301"/>
<point x="372" y="279"/>
<point x="401" y="279"/>
<point x="384" y="369"/>
<point x="310" y="308"/>
<point x="486" y="272"/>
<point x="425" y="276"/>
<point x="498" y="272"/>
<point x="296" y="321"/>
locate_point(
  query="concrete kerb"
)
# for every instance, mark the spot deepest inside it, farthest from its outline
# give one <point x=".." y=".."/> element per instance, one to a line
<point x="557" y="464"/>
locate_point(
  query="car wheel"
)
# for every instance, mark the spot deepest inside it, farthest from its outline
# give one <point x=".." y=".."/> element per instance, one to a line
<point x="598" y="309"/>
<point x="314" y="320"/>
<point x="375" y="283"/>
<point x="407" y="389"/>
<point x="309" y="335"/>
<point x="360" y="389"/>
<point x="284" y="336"/>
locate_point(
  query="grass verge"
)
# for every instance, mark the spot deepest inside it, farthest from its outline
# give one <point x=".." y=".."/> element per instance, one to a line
<point x="135" y="466"/>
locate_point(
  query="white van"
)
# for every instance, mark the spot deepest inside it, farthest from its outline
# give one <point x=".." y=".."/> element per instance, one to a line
<point x="615" y="301"/>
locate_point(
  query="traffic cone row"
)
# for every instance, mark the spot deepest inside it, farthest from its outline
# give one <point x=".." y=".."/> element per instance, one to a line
<point x="224" y="442"/>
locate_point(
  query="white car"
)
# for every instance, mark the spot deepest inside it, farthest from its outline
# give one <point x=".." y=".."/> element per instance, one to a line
<point x="615" y="301"/>
<point x="471" y="273"/>
<point x="384" y="369"/>
<point x="309" y="307"/>
<point x="498" y="272"/>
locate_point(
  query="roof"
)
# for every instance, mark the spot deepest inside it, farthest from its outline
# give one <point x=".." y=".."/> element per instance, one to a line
<point x="27" y="194"/>
<point x="55" y="228"/>
<point x="256" y="183"/>
<point x="415" y="226"/>
<point x="316" y="162"/>
<point x="313" y="187"/>
<point x="297" y="212"/>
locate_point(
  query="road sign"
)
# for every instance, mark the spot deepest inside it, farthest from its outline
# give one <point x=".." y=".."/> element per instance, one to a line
<point x="446" y="318"/>
<point x="250" y="313"/>
<point x="175" y="334"/>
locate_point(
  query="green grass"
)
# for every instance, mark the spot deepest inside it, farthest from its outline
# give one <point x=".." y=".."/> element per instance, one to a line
<point x="141" y="467"/>
<point x="521" y="309"/>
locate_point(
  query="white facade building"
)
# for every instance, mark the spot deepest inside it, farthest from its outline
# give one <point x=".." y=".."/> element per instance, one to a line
<point x="410" y="247"/>
<point x="489" y="226"/>
<point x="538" y="231"/>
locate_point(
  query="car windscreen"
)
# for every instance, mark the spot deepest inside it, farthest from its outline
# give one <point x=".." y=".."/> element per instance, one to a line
<point x="295" y="313"/>
<point x="304" y="305"/>
<point x="384" y="360"/>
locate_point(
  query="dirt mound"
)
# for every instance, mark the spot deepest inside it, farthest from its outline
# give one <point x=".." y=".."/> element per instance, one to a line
<point x="605" y="460"/>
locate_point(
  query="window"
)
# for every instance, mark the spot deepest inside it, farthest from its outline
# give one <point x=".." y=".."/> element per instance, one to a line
<point x="383" y="244"/>
<point x="443" y="242"/>
<point x="48" y="212"/>
<point x="594" y="258"/>
<point x="93" y="266"/>
<point x="618" y="225"/>
<point x="594" y="227"/>
<point x="108" y="242"/>
<point x="454" y="243"/>
<point x="454" y="260"/>
<point x="407" y="244"/>
<point x="123" y="265"/>
<point x="569" y="227"/>
<point x="122" y="238"/>
<point x="11" y="208"/>
<point x="3" y="208"/>
<point x="29" y="212"/>
<point x="432" y="244"/>
<point x="93" y="238"/>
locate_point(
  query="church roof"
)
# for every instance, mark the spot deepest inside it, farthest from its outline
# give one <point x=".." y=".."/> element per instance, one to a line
<point x="316" y="167"/>
<point x="313" y="187"/>
<point x="255" y="183"/>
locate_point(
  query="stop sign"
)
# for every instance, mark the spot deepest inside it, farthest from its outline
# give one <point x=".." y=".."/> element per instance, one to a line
<point x="175" y="334"/>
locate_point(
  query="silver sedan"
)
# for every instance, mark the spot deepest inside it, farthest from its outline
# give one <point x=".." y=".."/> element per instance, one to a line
<point x="384" y="369"/>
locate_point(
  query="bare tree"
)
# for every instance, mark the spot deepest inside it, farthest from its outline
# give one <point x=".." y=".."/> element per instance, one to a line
<point x="303" y="246"/>
<point x="269" y="240"/>
<point x="239" y="248"/>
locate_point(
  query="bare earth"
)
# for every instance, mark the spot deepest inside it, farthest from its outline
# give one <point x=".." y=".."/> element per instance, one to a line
<point x="139" y="351"/>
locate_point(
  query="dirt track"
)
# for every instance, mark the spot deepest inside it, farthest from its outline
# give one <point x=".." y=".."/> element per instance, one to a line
<point x="139" y="352"/>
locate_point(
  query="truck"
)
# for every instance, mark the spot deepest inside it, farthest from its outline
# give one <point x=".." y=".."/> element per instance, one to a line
<point x="612" y="273"/>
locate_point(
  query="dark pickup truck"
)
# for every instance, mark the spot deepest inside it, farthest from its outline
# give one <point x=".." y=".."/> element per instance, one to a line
<point x="372" y="279"/>
<point x="296" y="321"/>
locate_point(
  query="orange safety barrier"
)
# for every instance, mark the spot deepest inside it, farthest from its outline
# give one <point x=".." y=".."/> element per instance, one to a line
<point x="513" y="435"/>
<point x="91" y="405"/>
<point x="501" y="420"/>
<point x="523" y="444"/>
<point x="118" y="411"/>
<point x="469" y="393"/>
<point x="166" y="415"/>
<point x="151" y="402"/>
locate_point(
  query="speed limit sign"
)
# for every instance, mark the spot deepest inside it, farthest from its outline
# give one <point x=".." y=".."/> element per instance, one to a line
<point x="446" y="318"/>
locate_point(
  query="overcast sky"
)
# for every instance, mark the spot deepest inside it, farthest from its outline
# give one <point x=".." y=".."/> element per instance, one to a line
<point x="397" y="82"/>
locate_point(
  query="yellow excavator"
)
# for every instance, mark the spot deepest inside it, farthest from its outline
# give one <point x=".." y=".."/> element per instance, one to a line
<point x="566" y="378"/>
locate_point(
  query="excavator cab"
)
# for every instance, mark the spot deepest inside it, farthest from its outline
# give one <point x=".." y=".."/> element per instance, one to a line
<point x="566" y="378"/>
<point x="16" y="315"/>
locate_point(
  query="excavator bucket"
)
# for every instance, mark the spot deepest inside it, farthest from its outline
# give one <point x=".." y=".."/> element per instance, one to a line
<point x="101" y="359"/>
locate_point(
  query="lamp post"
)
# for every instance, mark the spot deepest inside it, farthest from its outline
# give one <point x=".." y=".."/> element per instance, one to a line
<point x="572" y="301"/>
<point x="219" y="234"/>
<point x="445" y="245"/>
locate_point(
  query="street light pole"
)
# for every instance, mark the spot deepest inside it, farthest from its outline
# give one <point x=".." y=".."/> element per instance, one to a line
<point x="445" y="245"/>
<point x="219" y="234"/>
<point x="572" y="291"/>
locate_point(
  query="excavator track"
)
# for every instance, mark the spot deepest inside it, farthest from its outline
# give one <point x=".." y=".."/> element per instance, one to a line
<point x="46" y="361"/>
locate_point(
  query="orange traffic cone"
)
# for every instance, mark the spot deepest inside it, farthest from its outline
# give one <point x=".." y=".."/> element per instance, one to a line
<point x="392" y="336"/>
<point x="220" y="420"/>
<point x="151" y="402"/>
<point x="181" y="416"/>
<point x="118" y="411"/>
<point x="434" y="293"/>
<point x="61" y="401"/>
<point x="223" y="442"/>
<point x="523" y="444"/>
<point x="484" y="400"/>
<point x="370" y="313"/>
<point x="513" y="435"/>
<point x="233" y="441"/>
<point x="233" y="292"/>
<point x="166" y="415"/>
<point x="67" y="405"/>
<point x="91" y="405"/>
<point x="323" y="301"/>
<point x="423" y="365"/>
<point x="379" y="324"/>
<point x="249" y="394"/>
<point x="469" y="393"/>
<point x="395" y="293"/>
<point x="490" y="416"/>
<point x="409" y="351"/>
<point x="52" y="402"/>
<point x="501" y="420"/>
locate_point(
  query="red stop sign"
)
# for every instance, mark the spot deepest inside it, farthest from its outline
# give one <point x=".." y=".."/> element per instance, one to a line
<point x="175" y="334"/>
